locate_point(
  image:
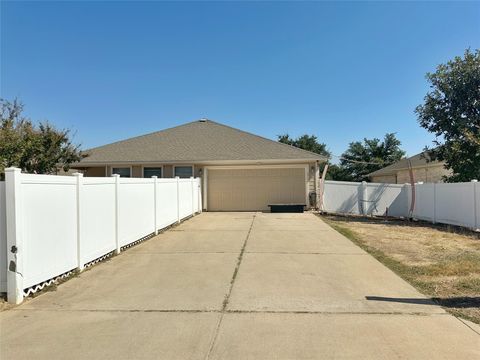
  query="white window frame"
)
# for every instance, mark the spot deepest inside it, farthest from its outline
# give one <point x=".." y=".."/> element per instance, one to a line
<point x="153" y="166"/>
<point x="186" y="165"/>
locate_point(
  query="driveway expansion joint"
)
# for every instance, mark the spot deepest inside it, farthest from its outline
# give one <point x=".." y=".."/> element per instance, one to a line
<point x="217" y="311"/>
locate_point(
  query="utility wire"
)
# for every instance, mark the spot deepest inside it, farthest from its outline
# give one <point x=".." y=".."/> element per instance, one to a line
<point x="357" y="161"/>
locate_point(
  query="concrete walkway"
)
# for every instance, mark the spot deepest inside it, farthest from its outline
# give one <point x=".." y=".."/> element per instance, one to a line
<point x="237" y="286"/>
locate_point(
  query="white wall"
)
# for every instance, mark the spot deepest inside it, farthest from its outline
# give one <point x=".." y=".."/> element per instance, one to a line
<point x="64" y="222"/>
<point x="456" y="204"/>
<point x="3" y="240"/>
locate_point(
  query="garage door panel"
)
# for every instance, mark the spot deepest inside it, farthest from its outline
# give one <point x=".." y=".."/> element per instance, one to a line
<point x="254" y="189"/>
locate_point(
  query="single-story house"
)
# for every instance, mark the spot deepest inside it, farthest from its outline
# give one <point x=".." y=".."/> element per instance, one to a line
<point x="423" y="171"/>
<point x="240" y="171"/>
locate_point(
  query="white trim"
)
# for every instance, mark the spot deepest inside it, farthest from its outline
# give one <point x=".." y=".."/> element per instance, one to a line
<point x="205" y="179"/>
<point x="205" y="162"/>
<point x="288" y="166"/>
<point x="185" y="165"/>
<point x="151" y="166"/>
<point x="122" y="167"/>
<point x="227" y="167"/>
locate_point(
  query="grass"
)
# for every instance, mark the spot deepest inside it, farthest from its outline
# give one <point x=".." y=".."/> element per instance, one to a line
<point x="441" y="262"/>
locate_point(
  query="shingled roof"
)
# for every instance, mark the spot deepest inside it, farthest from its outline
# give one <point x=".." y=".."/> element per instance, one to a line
<point x="419" y="160"/>
<point x="197" y="141"/>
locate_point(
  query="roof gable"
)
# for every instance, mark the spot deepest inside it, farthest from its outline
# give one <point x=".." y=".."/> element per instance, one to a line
<point x="418" y="160"/>
<point x="202" y="140"/>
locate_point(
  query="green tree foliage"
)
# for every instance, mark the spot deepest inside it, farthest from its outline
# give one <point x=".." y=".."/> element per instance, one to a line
<point x="306" y="142"/>
<point x="451" y="111"/>
<point x="338" y="173"/>
<point x="38" y="149"/>
<point x="362" y="158"/>
<point x="311" y="143"/>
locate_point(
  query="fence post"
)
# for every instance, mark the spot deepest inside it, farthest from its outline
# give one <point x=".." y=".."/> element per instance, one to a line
<point x="475" y="213"/>
<point x="14" y="235"/>
<point x="200" y="205"/>
<point x="80" y="264"/>
<point x="155" y="230"/>
<point x="117" y="205"/>
<point x="364" y="198"/>
<point x="193" y="194"/>
<point x="178" y="198"/>
<point x="434" y="203"/>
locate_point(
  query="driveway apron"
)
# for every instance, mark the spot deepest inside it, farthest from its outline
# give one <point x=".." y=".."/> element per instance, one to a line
<point x="237" y="286"/>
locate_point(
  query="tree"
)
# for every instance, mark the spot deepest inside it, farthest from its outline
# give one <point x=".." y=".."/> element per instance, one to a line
<point x="361" y="159"/>
<point x="306" y="142"/>
<point x="451" y="110"/>
<point x="337" y="172"/>
<point x="38" y="149"/>
<point x="309" y="143"/>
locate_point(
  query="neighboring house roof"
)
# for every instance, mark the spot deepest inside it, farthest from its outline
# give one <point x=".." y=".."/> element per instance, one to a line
<point x="419" y="160"/>
<point x="202" y="140"/>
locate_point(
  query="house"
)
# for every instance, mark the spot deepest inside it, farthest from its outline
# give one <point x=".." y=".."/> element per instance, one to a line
<point x="423" y="171"/>
<point x="240" y="171"/>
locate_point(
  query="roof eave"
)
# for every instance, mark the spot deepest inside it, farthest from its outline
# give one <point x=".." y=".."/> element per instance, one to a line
<point x="200" y="162"/>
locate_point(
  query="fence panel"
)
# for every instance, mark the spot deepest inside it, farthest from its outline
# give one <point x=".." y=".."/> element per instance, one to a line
<point x="387" y="199"/>
<point x="60" y="223"/>
<point x="196" y="189"/>
<point x="136" y="209"/>
<point x="49" y="226"/>
<point x="166" y="202"/>
<point x="424" y="202"/>
<point x="455" y="204"/>
<point x="185" y="198"/>
<point x="97" y="218"/>
<point x="3" y="240"/>
<point x="342" y="197"/>
<point x="477" y="205"/>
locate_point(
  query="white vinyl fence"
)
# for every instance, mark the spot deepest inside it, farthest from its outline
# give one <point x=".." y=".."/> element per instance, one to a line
<point x="3" y="240"/>
<point x="456" y="203"/>
<point x="51" y="225"/>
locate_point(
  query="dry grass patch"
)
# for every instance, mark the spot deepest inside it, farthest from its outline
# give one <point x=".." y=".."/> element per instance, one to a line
<point x="441" y="262"/>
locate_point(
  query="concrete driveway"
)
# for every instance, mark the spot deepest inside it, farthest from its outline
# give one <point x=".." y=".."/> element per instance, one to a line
<point x="237" y="286"/>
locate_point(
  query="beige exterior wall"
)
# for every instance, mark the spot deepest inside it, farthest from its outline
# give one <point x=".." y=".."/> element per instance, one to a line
<point x="384" y="179"/>
<point x="95" y="172"/>
<point x="168" y="171"/>
<point x="137" y="171"/>
<point x="431" y="174"/>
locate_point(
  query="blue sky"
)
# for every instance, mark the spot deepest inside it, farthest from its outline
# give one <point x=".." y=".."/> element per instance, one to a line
<point x="342" y="71"/>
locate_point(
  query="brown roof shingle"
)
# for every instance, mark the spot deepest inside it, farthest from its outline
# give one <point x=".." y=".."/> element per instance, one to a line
<point x="202" y="140"/>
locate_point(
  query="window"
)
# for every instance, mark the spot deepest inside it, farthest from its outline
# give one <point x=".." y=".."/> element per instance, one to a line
<point x="148" y="172"/>
<point x="184" y="171"/>
<point x="123" y="171"/>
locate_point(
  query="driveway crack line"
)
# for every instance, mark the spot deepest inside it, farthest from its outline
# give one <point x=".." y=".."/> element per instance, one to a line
<point x="229" y="293"/>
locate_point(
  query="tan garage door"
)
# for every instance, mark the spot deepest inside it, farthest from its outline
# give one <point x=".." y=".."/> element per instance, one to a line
<point x="253" y="189"/>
